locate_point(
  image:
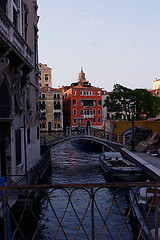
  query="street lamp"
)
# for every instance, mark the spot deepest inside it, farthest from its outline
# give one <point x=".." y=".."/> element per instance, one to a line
<point x="133" y="142"/>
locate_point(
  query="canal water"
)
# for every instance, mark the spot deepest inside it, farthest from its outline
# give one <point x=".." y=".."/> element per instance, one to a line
<point x="71" y="165"/>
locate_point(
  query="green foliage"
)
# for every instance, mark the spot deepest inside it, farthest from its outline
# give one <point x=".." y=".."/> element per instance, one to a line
<point x="125" y="101"/>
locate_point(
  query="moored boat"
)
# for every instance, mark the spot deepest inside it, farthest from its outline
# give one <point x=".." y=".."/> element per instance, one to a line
<point x="114" y="164"/>
<point x="143" y="210"/>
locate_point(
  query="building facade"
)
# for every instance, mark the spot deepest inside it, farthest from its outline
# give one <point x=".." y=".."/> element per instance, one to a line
<point x="19" y="90"/>
<point x="45" y="79"/>
<point x="51" y="109"/>
<point x="82" y="104"/>
<point x="156" y="84"/>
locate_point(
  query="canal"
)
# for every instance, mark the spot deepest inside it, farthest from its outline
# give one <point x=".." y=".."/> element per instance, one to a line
<point x="72" y="165"/>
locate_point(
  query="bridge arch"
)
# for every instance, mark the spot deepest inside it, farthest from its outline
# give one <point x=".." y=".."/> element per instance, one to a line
<point x="104" y="142"/>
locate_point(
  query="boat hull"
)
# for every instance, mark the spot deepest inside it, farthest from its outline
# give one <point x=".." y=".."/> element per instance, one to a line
<point x="138" y="217"/>
<point x="125" y="174"/>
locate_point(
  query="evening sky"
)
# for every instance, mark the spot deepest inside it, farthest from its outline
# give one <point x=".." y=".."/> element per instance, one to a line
<point x="115" y="41"/>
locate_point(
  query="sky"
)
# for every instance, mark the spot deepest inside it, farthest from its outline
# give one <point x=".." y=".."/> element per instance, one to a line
<point x="114" y="41"/>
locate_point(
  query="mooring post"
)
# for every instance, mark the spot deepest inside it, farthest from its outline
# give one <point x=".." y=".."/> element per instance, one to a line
<point x="66" y="131"/>
<point x="118" y="138"/>
<point x="89" y="133"/>
<point x="124" y="140"/>
<point x="70" y="131"/>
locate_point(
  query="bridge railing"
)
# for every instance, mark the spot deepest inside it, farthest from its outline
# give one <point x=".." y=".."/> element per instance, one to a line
<point x="73" y="131"/>
<point x="71" y="211"/>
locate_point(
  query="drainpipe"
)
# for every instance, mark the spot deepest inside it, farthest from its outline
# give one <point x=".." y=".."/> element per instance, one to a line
<point x="25" y="150"/>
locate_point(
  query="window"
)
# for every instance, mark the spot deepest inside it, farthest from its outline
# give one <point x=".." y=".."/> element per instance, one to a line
<point x="46" y="77"/>
<point x="26" y="25"/>
<point x="74" y="92"/>
<point x="40" y="84"/>
<point x="81" y="112"/>
<point x="82" y="121"/>
<point x="46" y="85"/>
<point x="59" y="126"/>
<point x="28" y="136"/>
<point x="81" y="93"/>
<point x="74" y="102"/>
<point x="74" y="112"/>
<point x="39" y="72"/>
<point x="84" y="92"/>
<point x="38" y="132"/>
<point x="90" y="92"/>
<point x="57" y="116"/>
<point x="18" y="146"/>
<point x="94" y="120"/>
<point x="99" y="102"/>
<point x="81" y="102"/>
<point x="43" y="95"/>
<point x="98" y="93"/>
<point x="58" y="96"/>
<point x="3" y="5"/>
<point x="74" y="121"/>
<point x="87" y="92"/>
<point x="99" y="112"/>
<point x="94" y="112"/>
<point x="99" y="120"/>
<point x="15" y="17"/>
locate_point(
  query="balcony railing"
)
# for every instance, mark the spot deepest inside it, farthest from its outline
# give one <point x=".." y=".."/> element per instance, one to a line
<point x="60" y="217"/>
<point x="9" y="33"/>
<point x="89" y="116"/>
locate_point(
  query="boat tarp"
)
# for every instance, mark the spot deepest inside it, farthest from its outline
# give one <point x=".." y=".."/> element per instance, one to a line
<point x="112" y="155"/>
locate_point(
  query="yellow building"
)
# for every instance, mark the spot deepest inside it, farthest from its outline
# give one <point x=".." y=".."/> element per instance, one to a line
<point x="156" y="84"/>
<point x="45" y="79"/>
<point x="51" y="109"/>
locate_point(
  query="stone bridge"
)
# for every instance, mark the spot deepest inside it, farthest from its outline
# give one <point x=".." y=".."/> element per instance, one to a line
<point x="52" y="139"/>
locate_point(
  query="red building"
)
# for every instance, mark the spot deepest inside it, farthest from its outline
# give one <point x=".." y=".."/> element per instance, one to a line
<point x="82" y="104"/>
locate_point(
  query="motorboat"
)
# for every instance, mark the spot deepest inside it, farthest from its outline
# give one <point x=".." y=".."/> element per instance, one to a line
<point x="115" y="165"/>
<point x="143" y="210"/>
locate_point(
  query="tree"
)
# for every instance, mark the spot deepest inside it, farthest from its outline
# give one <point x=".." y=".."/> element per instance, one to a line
<point x="123" y="101"/>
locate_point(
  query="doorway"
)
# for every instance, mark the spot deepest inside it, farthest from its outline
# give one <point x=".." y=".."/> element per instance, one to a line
<point x="49" y="126"/>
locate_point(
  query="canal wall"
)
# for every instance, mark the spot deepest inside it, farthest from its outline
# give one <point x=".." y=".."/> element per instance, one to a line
<point x="150" y="165"/>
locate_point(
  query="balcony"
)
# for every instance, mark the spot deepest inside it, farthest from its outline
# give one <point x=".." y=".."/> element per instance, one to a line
<point x="89" y="116"/>
<point x="11" y="38"/>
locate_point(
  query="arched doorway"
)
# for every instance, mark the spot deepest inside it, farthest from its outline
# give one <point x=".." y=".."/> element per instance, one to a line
<point x="88" y="124"/>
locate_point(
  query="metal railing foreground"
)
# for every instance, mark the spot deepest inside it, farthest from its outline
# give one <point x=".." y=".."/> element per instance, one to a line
<point x="74" y="211"/>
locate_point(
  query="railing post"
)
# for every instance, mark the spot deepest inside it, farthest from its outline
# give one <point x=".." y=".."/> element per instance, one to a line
<point x="89" y="131"/>
<point x="124" y="140"/>
<point x="85" y="131"/>
<point x="70" y="131"/>
<point x="66" y="131"/>
<point x="92" y="214"/>
<point x="117" y="138"/>
<point x="156" y="213"/>
<point x="5" y="214"/>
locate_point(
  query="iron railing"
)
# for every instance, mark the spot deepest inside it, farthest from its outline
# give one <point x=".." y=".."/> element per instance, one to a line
<point x="74" y="211"/>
